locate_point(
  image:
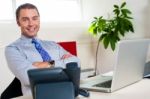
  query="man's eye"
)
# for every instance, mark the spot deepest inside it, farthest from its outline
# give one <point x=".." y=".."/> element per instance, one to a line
<point x="24" y="19"/>
<point x="35" y="18"/>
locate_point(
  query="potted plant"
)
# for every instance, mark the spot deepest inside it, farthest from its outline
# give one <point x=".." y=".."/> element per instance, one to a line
<point x="111" y="30"/>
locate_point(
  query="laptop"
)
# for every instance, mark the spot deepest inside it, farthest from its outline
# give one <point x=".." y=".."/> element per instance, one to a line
<point x="129" y="67"/>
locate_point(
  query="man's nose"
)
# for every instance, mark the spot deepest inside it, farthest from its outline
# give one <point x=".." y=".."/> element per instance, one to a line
<point x="30" y="22"/>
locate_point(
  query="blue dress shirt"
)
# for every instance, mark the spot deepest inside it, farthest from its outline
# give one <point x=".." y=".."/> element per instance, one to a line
<point x="22" y="53"/>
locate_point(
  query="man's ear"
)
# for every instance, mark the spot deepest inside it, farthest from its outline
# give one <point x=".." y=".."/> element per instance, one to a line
<point x="18" y="23"/>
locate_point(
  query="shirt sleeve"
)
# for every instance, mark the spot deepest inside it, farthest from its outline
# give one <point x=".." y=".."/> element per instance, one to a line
<point x="18" y="64"/>
<point x="63" y="61"/>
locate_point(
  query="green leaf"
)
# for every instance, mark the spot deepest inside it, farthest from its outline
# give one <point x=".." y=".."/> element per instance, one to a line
<point x="112" y="40"/>
<point x="95" y="18"/>
<point x="128" y="25"/>
<point x="100" y="17"/>
<point x="116" y="6"/>
<point x="125" y="11"/>
<point x="106" y="42"/>
<point x="131" y="28"/>
<point x="116" y="11"/>
<point x="101" y="25"/>
<point x="122" y="32"/>
<point x="129" y="17"/>
<point x="123" y="4"/>
<point x="95" y="31"/>
<point x="91" y="28"/>
<point x="113" y="44"/>
<point x="117" y="38"/>
<point x="102" y="37"/>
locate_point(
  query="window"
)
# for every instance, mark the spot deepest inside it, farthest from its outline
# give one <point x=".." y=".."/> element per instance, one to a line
<point x="6" y="10"/>
<point x="56" y="10"/>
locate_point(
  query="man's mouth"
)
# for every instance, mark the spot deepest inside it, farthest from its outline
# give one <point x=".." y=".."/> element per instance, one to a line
<point x="31" y="29"/>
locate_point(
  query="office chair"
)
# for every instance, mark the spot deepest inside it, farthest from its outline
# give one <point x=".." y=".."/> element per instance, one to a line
<point x="70" y="46"/>
<point x="13" y="90"/>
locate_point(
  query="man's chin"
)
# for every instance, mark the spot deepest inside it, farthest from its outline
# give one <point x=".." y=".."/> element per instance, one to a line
<point x="30" y="36"/>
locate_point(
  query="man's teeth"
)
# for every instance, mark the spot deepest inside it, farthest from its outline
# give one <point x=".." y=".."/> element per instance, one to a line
<point x="31" y="30"/>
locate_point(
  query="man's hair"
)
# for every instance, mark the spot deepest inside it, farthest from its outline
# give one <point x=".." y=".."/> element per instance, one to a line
<point x="25" y="6"/>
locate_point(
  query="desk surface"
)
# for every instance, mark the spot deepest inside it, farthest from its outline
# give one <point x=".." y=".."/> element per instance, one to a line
<point x="139" y="90"/>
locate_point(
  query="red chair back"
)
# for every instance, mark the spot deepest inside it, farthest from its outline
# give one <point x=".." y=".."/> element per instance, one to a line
<point x="70" y="46"/>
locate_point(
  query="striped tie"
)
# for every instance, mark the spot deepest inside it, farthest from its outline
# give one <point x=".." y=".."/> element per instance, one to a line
<point x="45" y="56"/>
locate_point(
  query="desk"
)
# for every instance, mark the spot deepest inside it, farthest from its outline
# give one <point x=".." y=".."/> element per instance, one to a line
<point x="139" y="90"/>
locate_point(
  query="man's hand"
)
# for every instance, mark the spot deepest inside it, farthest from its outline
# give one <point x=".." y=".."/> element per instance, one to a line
<point x="42" y="64"/>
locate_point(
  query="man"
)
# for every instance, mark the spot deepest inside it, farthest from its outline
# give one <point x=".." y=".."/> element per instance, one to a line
<point x="23" y="54"/>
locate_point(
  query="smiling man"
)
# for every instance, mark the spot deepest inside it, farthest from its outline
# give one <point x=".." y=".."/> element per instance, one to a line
<point x="29" y="22"/>
<point x="30" y="52"/>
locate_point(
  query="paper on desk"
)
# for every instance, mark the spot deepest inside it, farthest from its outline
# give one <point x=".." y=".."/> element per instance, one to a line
<point x="110" y="73"/>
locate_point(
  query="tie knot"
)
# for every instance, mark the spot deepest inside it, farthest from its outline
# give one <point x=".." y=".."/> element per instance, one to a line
<point x="34" y="41"/>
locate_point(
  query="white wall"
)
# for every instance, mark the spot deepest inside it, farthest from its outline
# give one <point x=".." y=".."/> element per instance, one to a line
<point x="86" y="44"/>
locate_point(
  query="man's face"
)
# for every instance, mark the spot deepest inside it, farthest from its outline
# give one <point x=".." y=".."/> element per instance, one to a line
<point x="29" y="22"/>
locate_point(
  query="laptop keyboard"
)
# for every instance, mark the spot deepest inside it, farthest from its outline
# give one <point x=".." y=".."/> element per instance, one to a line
<point x="106" y="84"/>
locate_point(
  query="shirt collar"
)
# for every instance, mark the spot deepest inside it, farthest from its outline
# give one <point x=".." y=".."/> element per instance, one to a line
<point x="27" y="40"/>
